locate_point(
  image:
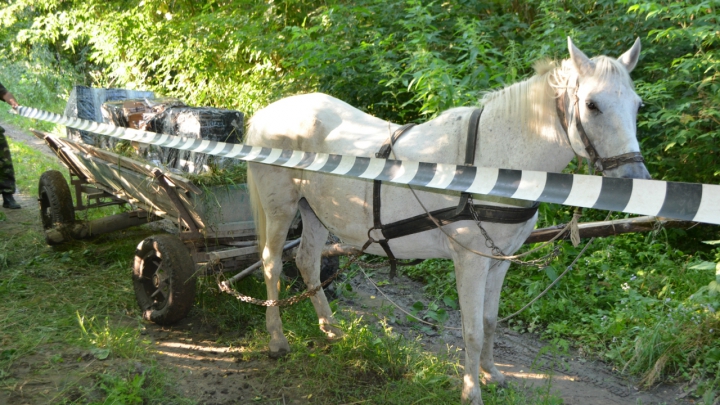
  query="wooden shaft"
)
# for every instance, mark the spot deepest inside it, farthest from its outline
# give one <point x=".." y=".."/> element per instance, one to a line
<point x="609" y="228"/>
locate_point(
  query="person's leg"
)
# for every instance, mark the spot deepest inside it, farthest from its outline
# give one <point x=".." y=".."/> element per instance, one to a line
<point x="7" y="173"/>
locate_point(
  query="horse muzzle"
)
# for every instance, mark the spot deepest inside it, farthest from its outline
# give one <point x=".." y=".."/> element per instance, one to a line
<point x="635" y="170"/>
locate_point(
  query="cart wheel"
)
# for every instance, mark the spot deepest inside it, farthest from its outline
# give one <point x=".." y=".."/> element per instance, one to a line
<point x="56" y="205"/>
<point x="164" y="279"/>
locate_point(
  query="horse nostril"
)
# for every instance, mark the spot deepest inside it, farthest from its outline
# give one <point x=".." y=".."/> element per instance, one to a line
<point x="632" y="171"/>
<point x="642" y="174"/>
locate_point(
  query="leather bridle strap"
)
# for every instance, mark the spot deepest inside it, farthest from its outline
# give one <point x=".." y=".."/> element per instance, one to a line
<point x="599" y="163"/>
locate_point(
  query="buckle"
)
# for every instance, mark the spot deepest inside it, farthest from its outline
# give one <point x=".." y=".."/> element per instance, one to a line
<point x="373" y="240"/>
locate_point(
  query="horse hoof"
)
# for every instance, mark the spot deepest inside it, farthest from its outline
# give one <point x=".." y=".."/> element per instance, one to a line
<point x="278" y="354"/>
<point x="500" y="384"/>
<point x="332" y="332"/>
<point x="497" y="379"/>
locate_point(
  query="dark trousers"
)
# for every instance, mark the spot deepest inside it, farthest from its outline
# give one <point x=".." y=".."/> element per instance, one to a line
<point x="7" y="173"/>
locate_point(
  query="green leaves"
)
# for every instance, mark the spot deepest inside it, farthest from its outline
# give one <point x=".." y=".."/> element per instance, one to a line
<point x="704" y="266"/>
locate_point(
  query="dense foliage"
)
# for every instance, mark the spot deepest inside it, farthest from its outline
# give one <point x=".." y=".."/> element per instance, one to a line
<point x="398" y="60"/>
<point x="408" y="60"/>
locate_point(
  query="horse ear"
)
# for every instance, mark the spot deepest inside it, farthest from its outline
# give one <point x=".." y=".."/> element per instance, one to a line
<point x="583" y="64"/>
<point x="630" y="58"/>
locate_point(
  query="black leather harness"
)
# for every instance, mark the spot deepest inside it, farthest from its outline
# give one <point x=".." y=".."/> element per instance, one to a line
<point x="424" y="222"/>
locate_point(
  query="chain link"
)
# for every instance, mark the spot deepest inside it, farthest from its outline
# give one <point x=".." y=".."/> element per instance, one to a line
<point x="286" y="302"/>
<point x="541" y="262"/>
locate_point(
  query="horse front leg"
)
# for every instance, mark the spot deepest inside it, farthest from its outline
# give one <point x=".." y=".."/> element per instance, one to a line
<point x="471" y="276"/>
<point x="493" y="285"/>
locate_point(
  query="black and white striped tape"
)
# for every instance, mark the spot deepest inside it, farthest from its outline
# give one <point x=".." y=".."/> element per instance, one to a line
<point x="686" y="201"/>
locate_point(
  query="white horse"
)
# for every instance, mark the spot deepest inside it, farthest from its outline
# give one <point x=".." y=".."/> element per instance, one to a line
<point x="522" y="127"/>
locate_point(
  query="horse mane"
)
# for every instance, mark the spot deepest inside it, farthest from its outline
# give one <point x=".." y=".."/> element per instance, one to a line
<point x="532" y="101"/>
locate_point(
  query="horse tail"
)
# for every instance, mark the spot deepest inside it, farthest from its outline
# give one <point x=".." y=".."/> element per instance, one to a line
<point x="257" y="210"/>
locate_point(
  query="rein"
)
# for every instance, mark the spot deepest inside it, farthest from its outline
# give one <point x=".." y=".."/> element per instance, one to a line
<point x="598" y="163"/>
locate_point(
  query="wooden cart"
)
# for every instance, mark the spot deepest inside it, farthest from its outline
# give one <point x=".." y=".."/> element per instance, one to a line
<point x="215" y="225"/>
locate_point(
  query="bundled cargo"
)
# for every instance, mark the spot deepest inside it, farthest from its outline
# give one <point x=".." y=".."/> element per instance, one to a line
<point x="137" y="113"/>
<point x="141" y="110"/>
<point x="86" y="103"/>
<point x="171" y="116"/>
<point x="213" y="124"/>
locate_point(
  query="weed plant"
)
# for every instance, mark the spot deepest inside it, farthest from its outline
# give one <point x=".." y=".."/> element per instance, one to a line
<point x="232" y="174"/>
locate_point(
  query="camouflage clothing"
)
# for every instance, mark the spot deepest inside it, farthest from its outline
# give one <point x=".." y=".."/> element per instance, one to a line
<point x="7" y="173"/>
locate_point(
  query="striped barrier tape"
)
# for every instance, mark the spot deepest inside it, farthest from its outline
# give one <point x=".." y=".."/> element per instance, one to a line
<point x="686" y="201"/>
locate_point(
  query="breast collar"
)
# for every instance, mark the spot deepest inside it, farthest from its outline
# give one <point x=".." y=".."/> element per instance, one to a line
<point x="600" y="164"/>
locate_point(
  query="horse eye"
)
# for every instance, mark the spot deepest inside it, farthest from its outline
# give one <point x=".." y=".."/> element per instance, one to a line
<point x="591" y="106"/>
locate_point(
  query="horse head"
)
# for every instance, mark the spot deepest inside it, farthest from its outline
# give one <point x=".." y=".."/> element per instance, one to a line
<point x="598" y="108"/>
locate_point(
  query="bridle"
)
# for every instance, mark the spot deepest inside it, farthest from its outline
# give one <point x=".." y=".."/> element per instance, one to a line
<point x="600" y="164"/>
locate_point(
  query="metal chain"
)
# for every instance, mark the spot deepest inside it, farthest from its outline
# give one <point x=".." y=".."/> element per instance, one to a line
<point x="496" y="251"/>
<point x="489" y="243"/>
<point x="286" y="302"/>
<point x="501" y="256"/>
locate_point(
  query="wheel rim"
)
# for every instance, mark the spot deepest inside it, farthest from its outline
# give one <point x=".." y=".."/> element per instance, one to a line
<point x="155" y="282"/>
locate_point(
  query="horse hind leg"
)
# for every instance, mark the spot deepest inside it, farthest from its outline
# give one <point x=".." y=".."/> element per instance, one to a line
<point x="277" y="209"/>
<point x="272" y="260"/>
<point x="308" y="261"/>
<point x="493" y="285"/>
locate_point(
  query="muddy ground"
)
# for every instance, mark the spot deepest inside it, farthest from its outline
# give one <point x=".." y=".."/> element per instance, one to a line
<point x="218" y="374"/>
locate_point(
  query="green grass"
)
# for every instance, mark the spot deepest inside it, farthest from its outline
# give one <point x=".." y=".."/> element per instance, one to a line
<point x="29" y="165"/>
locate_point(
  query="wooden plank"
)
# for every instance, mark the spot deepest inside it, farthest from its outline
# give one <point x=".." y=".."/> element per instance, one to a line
<point x="116" y="159"/>
<point x="228" y="253"/>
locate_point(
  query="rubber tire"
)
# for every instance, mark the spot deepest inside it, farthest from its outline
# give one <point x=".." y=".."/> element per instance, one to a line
<point x="56" y="205"/>
<point x="168" y="254"/>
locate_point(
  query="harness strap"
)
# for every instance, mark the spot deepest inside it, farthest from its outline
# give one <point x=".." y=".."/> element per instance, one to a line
<point x="384" y="153"/>
<point x="386" y="147"/>
<point x="424" y="222"/>
<point x="490" y="213"/>
<point x="589" y="147"/>
<point x="472" y="136"/>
